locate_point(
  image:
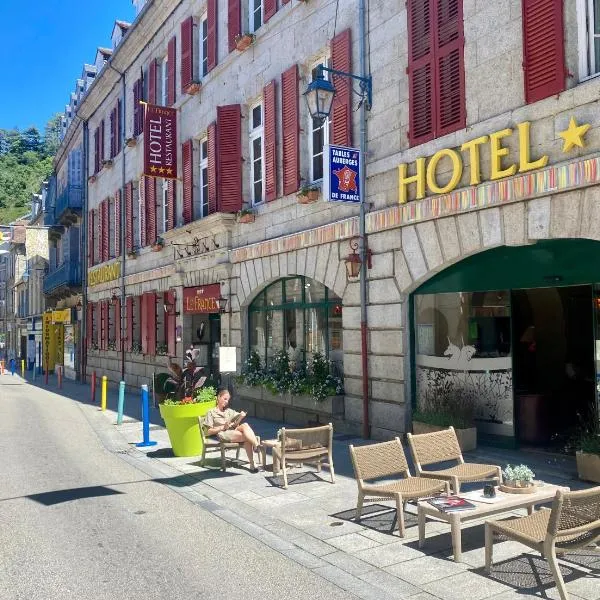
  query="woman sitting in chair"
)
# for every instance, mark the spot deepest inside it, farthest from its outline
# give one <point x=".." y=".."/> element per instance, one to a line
<point x="226" y="423"/>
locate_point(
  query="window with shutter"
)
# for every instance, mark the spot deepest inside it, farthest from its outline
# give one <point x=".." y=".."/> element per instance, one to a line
<point x="201" y="205"/>
<point x="113" y="124"/>
<point x="102" y="328"/>
<point x="435" y="69"/>
<point x="129" y="321"/>
<point x="110" y="227"/>
<point x="101" y="144"/>
<point x="150" y="202"/>
<point x="90" y="324"/>
<point x="169" y="302"/>
<point x="203" y="46"/>
<point x="257" y="163"/>
<point x="118" y="128"/>
<point x="172" y="76"/>
<point x="341" y="118"/>
<point x="213" y="194"/>
<point x="137" y="108"/>
<point x="234" y="22"/>
<point x="91" y="232"/>
<point x="151" y="323"/>
<point x="270" y="129"/>
<point x="229" y="158"/>
<point x="117" y="324"/>
<point x="291" y="130"/>
<point x="96" y="151"/>
<point x="129" y="217"/>
<point x="117" y="227"/>
<point x="269" y="8"/>
<point x="257" y="13"/>
<point x="211" y="34"/>
<point x="171" y="208"/>
<point x="187" y="54"/>
<point x="144" y="323"/>
<point x="142" y="212"/>
<point x="105" y="231"/>
<point x="187" y="155"/>
<point x="543" y="49"/>
<point x="152" y="81"/>
<point x="319" y="130"/>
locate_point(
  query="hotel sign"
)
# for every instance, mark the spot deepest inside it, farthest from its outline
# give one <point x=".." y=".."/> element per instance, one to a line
<point x="502" y="163"/>
<point x="160" y="142"/>
<point x="104" y="274"/>
<point x="201" y="300"/>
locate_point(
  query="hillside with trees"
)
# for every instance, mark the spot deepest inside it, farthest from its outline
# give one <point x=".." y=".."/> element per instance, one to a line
<point x="25" y="162"/>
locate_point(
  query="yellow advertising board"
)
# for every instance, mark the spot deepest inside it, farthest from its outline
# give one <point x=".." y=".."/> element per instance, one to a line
<point x="61" y="316"/>
<point x="48" y="342"/>
<point x="59" y="333"/>
<point x="104" y="274"/>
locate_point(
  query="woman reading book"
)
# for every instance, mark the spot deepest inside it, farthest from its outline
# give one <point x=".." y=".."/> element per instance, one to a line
<point x="227" y="424"/>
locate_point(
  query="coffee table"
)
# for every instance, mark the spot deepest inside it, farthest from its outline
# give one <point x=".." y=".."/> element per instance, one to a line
<point x="503" y="503"/>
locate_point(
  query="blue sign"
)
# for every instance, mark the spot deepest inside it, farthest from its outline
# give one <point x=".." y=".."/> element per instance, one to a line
<point x="341" y="175"/>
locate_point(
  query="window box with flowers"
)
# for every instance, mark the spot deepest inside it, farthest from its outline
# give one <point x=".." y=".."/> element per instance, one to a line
<point x="131" y="142"/>
<point x="246" y="215"/>
<point x="136" y="348"/>
<point x="308" y="194"/>
<point x="133" y="253"/>
<point x="193" y="88"/>
<point x="162" y="349"/>
<point x="158" y="245"/>
<point x="244" y="40"/>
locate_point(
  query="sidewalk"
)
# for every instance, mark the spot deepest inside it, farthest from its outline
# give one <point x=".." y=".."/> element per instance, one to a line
<point x="312" y="522"/>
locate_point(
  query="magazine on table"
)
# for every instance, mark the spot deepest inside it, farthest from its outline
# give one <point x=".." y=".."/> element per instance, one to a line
<point x="451" y="503"/>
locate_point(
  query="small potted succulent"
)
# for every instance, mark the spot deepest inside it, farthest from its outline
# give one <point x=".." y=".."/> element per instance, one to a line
<point x="158" y="244"/>
<point x="308" y="194"/>
<point x="244" y="40"/>
<point x="518" y="479"/>
<point x="246" y="215"/>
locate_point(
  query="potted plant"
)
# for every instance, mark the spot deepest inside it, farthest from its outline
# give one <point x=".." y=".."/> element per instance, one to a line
<point x="132" y="253"/>
<point x="308" y="194"/>
<point x="244" y="40"/>
<point x="92" y="178"/>
<point x="193" y="88"/>
<point x="517" y="479"/>
<point x="158" y="245"/>
<point x="136" y="348"/>
<point x="588" y="455"/>
<point x="108" y="163"/>
<point x="162" y="349"/>
<point x="246" y="215"/>
<point x="130" y="142"/>
<point x="186" y="401"/>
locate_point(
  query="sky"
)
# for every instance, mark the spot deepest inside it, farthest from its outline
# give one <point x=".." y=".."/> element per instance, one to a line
<point x="45" y="44"/>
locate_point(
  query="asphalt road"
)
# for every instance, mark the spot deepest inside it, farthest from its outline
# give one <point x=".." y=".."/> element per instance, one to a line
<point x="79" y="522"/>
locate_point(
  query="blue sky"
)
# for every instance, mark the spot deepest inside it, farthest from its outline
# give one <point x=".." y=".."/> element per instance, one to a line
<point x="45" y="44"/>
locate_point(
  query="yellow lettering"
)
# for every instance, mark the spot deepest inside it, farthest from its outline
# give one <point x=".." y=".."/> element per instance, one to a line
<point x="525" y="163"/>
<point x="418" y="178"/>
<point x="497" y="152"/>
<point x="457" y="170"/>
<point x="472" y="147"/>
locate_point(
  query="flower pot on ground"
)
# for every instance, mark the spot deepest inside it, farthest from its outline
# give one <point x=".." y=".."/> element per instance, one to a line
<point x="588" y="456"/>
<point x="244" y="41"/>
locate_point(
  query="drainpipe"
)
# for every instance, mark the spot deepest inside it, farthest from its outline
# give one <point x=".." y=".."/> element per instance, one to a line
<point x="83" y="244"/>
<point x="366" y="430"/>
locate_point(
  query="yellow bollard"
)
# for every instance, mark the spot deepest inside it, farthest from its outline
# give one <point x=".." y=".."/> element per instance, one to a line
<point x="22" y="368"/>
<point x="103" y="399"/>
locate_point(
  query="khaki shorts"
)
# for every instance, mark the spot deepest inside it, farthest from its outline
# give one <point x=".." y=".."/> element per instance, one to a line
<point x="227" y="436"/>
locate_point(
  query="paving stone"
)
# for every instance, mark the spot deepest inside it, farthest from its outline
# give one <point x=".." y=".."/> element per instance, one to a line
<point x="426" y="569"/>
<point x="306" y="559"/>
<point x="348" y="563"/>
<point x="353" y="542"/>
<point x="380" y="537"/>
<point x="383" y="556"/>
<point x="352" y="584"/>
<point x="326" y="531"/>
<point x="312" y="545"/>
<point x="393" y="586"/>
<point x="464" y="585"/>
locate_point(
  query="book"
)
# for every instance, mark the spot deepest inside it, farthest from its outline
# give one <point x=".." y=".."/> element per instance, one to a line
<point x="451" y="503"/>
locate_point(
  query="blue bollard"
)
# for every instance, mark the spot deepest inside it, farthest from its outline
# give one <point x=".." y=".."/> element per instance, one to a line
<point x="145" y="419"/>
<point x="121" y="404"/>
<point x="12" y="366"/>
<point x="33" y="373"/>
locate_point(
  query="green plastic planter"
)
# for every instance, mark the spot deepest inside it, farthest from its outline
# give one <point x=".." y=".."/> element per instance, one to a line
<point x="181" y="421"/>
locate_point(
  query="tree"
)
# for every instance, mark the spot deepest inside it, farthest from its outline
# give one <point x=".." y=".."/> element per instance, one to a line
<point x="52" y="133"/>
<point x="31" y="140"/>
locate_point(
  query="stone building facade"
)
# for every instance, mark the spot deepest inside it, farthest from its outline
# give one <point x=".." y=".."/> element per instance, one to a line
<point x="478" y="142"/>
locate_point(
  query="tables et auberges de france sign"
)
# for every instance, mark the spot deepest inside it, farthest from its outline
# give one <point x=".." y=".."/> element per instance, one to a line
<point x="201" y="300"/>
<point x="341" y="174"/>
<point x="160" y="142"/>
<point x="425" y="170"/>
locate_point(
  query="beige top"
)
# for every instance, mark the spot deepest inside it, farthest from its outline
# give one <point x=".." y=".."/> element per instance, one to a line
<point x="217" y="418"/>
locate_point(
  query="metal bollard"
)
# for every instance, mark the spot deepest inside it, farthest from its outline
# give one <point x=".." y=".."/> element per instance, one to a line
<point x="103" y="398"/>
<point x="33" y="369"/>
<point x="145" y="419"/>
<point x="93" y="384"/>
<point x="12" y="366"/>
<point x="121" y="404"/>
<point x="22" y="368"/>
<point x="59" y="374"/>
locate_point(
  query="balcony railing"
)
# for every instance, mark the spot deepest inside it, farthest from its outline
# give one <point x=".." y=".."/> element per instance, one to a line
<point x="71" y="198"/>
<point x="67" y="275"/>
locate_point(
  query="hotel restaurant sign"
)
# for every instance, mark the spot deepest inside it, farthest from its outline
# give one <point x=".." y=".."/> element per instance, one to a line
<point x="502" y="164"/>
<point x="160" y="142"/>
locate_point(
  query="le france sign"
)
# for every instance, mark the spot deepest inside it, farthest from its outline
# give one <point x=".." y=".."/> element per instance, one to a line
<point x="502" y="164"/>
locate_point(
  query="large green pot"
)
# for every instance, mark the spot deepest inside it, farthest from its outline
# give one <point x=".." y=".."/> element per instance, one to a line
<point x="181" y="421"/>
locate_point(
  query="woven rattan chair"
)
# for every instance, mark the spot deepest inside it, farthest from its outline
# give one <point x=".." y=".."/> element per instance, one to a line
<point x="214" y="444"/>
<point x="443" y="446"/>
<point x="573" y="522"/>
<point x="386" y="460"/>
<point x="308" y="445"/>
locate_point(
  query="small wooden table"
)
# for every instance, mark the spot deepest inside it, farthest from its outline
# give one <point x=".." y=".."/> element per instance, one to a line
<point x="504" y="503"/>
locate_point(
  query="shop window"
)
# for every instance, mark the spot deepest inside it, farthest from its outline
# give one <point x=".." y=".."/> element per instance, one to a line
<point x="588" y="14"/>
<point x="299" y="315"/>
<point x="319" y="131"/>
<point x="112" y="326"/>
<point x="256" y="154"/>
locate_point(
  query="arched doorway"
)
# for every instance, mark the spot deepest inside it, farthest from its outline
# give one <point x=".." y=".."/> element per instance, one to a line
<point x="515" y="331"/>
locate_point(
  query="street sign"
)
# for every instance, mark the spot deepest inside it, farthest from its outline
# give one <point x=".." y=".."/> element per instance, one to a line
<point x="341" y="176"/>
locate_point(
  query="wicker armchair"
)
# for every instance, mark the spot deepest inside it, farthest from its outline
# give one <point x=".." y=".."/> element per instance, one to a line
<point x="212" y="444"/>
<point x="442" y="446"/>
<point x="385" y="460"/>
<point x="573" y="522"/>
<point x="308" y="445"/>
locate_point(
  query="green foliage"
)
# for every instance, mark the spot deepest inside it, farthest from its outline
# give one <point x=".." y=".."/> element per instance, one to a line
<point x="448" y="406"/>
<point x="518" y="473"/>
<point x="442" y="419"/>
<point x="589" y="443"/>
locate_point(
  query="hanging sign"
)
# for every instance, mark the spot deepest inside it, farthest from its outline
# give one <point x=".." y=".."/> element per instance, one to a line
<point x="160" y="142"/>
<point x="4" y="234"/>
<point x="201" y="300"/>
<point x="61" y="316"/>
<point x="227" y="359"/>
<point x="48" y="342"/>
<point x="341" y="174"/>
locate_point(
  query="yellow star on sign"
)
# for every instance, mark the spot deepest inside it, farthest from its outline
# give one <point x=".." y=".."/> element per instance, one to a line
<point x="573" y="135"/>
<point x="152" y="169"/>
<point x="161" y="170"/>
<point x="169" y="171"/>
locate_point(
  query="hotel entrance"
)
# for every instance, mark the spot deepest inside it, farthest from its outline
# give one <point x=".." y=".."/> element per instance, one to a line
<point x="512" y="334"/>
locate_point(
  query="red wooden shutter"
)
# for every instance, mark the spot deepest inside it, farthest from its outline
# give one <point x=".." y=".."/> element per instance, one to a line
<point x="142" y="211"/>
<point x="450" y="68"/>
<point x="152" y="77"/>
<point x="211" y="34"/>
<point x="213" y="195"/>
<point x="150" y="301"/>
<point x="150" y="200"/>
<point x="101" y="328"/>
<point x="129" y="217"/>
<point x="144" y="322"/>
<point x="112" y="133"/>
<point x="169" y="299"/>
<point x="291" y="130"/>
<point x="117" y="231"/>
<point x="187" y="154"/>
<point x="234" y="22"/>
<point x="187" y="53"/>
<point x="543" y="49"/>
<point x="105" y="231"/>
<point x="101" y="144"/>
<point x="99" y="249"/>
<point x="269" y="9"/>
<point x="229" y="157"/>
<point x="96" y="150"/>
<point x="172" y="71"/>
<point x="118" y="132"/>
<point x="171" y="195"/>
<point x="91" y="230"/>
<point x="117" y="317"/>
<point x="136" y="107"/>
<point x="270" y="142"/>
<point x="90" y="324"/>
<point x="129" y="323"/>
<point x="341" y="60"/>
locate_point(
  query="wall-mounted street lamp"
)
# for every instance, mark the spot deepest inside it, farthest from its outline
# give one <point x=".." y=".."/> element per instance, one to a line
<point x="171" y="305"/>
<point x="222" y="301"/>
<point x="354" y="261"/>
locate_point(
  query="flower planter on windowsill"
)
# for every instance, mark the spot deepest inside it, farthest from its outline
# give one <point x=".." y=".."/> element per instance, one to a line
<point x="193" y="88"/>
<point x="131" y="142"/>
<point x="132" y="254"/>
<point x="107" y="163"/>
<point x="247" y="218"/>
<point x="92" y="179"/>
<point x="308" y="197"/>
<point x="243" y="42"/>
<point x="157" y="247"/>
